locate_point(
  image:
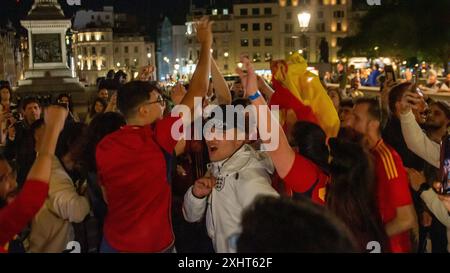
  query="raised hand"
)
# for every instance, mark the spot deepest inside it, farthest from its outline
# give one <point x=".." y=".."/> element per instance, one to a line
<point x="146" y="73"/>
<point x="178" y="93"/>
<point x="55" y="117"/>
<point x="249" y="80"/>
<point x="204" y="31"/>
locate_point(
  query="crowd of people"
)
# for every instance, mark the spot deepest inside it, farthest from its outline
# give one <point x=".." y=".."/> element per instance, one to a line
<point x="119" y="181"/>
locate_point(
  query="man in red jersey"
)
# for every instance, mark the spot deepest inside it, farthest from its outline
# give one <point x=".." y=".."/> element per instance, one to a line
<point x="134" y="162"/>
<point x="394" y="198"/>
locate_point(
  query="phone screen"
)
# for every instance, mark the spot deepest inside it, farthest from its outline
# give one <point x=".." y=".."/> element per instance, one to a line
<point x="390" y="75"/>
<point x="445" y="165"/>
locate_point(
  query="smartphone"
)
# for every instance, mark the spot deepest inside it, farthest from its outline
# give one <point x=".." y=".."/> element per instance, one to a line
<point x="445" y="165"/>
<point x="390" y="74"/>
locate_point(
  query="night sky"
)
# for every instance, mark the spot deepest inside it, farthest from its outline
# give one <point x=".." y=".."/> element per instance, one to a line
<point x="148" y="11"/>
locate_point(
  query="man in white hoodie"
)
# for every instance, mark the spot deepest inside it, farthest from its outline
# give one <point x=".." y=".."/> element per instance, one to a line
<point x="237" y="174"/>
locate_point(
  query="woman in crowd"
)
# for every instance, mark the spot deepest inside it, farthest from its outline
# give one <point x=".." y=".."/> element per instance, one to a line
<point x="351" y="193"/>
<point x="98" y="107"/>
<point x="17" y="211"/>
<point x="66" y="99"/>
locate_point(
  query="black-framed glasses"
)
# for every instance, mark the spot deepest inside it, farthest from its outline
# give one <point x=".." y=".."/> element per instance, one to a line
<point x="159" y="100"/>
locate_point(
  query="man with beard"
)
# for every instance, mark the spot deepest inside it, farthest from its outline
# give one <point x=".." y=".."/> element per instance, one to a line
<point x="423" y="145"/>
<point x="439" y="220"/>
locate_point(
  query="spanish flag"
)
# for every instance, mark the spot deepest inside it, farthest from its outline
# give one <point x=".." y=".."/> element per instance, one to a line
<point x="299" y="90"/>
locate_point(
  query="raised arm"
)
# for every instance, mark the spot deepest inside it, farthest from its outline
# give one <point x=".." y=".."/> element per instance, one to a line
<point x="54" y="117"/>
<point x="220" y="85"/>
<point x="15" y="216"/>
<point x="416" y="140"/>
<point x="199" y="83"/>
<point x="283" y="156"/>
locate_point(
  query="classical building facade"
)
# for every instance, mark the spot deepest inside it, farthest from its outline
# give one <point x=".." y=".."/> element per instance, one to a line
<point x="266" y="30"/>
<point x="100" y="45"/>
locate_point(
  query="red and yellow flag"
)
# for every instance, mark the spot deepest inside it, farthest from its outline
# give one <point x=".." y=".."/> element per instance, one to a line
<point x="302" y="91"/>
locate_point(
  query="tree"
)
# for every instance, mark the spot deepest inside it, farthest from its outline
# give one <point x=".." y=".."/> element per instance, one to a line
<point x="404" y="29"/>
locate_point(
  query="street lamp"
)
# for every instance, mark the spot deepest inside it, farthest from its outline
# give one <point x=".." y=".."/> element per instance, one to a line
<point x="149" y="55"/>
<point x="226" y="54"/>
<point x="303" y="19"/>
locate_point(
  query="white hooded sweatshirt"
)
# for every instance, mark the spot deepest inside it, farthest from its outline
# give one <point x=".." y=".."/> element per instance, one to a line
<point x="239" y="179"/>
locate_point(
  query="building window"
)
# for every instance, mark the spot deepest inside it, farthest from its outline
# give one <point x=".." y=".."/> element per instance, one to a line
<point x="107" y="17"/>
<point x="268" y="41"/>
<point x="244" y="27"/>
<point x="103" y="37"/>
<point x="320" y="14"/>
<point x="320" y="27"/>
<point x="215" y="12"/>
<point x="338" y="14"/>
<point x="126" y="49"/>
<point x="103" y="50"/>
<point x="256" y="58"/>
<point x="256" y="42"/>
<point x="225" y="66"/>
<point x="267" y="11"/>
<point x="84" y="50"/>
<point x="268" y="26"/>
<point x="268" y="57"/>
<point x="94" y="64"/>
<point x="289" y="15"/>
<point x="244" y="42"/>
<point x="136" y="49"/>
<point x="255" y="27"/>
<point x="116" y="50"/>
<point x="94" y="51"/>
<point x="244" y="12"/>
<point x="288" y="28"/>
<point x="85" y="65"/>
<point x="339" y="27"/>
<point x="92" y="37"/>
<point x="255" y="11"/>
<point x="289" y="42"/>
<point x="225" y="11"/>
<point x="93" y="17"/>
<point x="127" y="62"/>
<point x="338" y="2"/>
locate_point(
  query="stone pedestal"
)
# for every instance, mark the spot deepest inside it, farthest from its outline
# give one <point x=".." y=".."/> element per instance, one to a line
<point x="48" y="71"/>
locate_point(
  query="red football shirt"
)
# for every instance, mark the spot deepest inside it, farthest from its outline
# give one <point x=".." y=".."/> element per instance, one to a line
<point x="307" y="178"/>
<point x="132" y="170"/>
<point x="392" y="191"/>
<point x="15" y="216"/>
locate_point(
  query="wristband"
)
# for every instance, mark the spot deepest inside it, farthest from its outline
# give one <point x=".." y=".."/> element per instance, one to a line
<point x="424" y="187"/>
<point x="255" y="96"/>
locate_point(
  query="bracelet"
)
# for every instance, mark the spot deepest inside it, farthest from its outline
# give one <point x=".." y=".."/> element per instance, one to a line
<point x="254" y="96"/>
<point x="424" y="187"/>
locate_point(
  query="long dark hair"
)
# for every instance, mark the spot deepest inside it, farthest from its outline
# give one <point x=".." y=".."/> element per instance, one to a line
<point x="102" y="125"/>
<point x="351" y="194"/>
<point x="310" y="140"/>
<point x="60" y="96"/>
<point x="92" y="110"/>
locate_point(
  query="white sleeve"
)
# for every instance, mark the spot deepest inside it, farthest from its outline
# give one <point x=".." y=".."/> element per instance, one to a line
<point x="418" y="142"/>
<point x="193" y="207"/>
<point x="67" y="203"/>
<point x="437" y="208"/>
<point x="252" y="186"/>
